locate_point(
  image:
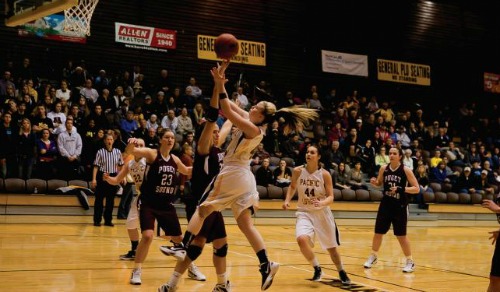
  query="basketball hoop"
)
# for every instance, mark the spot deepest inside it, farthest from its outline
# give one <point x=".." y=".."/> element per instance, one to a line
<point x="77" y="18"/>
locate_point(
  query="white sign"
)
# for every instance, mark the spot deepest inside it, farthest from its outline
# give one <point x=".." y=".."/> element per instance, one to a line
<point x="343" y="63"/>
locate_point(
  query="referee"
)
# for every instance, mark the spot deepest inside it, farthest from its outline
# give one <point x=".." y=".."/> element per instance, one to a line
<point x="107" y="160"/>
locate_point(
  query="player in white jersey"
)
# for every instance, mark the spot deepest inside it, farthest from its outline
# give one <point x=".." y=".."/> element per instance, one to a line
<point x="314" y="217"/>
<point x="235" y="185"/>
<point x="135" y="168"/>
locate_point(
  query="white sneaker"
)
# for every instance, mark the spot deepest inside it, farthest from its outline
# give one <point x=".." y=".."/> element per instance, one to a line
<point x="409" y="267"/>
<point x="195" y="274"/>
<point x="167" y="288"/>
<point x="268" y="271"/>
<point x="177" y="252"/>
<point x="370" y="261"/>
<point x="135" y="279"/>
<point x="222" y="287"/>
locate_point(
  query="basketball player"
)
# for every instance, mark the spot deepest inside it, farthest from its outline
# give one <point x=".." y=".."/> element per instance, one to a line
<point x="235" y="185"/>
<point x="207" y="164"/>
<point x="157" y="194"/>
<point x="314" y="217"/>
<point x="398" y="181"/>
<point x="495" y="262"/>
<point x="135" y="168"/>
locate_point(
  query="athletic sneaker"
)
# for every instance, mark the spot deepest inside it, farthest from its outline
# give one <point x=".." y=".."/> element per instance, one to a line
<point x="370" y="261"/>
<point x="344" y="278"/>
<point x="222" y="287"/>
<point x="129" y="256"/>
<point x="195" y="274"/>
<point x="268" y="270"/>
<point x="317" y="274"/>
<point x="409" y="267"/>
<point x="167" y="288"/>
<point x="177" y="252"/>
<point x="135" y="279"/>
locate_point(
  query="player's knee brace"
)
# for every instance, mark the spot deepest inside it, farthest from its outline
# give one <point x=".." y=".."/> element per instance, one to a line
<point x="193" y="252"/>
<point x="221" y="252"/>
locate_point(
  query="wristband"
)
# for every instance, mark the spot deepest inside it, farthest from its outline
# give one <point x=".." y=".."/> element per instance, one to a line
<point x="212" y="114"/>
<point x="401" y="190"/>
<point x="222" y="95"/>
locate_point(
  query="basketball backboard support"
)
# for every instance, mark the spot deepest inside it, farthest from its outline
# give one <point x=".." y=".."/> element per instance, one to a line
<point x="25" y="11"/>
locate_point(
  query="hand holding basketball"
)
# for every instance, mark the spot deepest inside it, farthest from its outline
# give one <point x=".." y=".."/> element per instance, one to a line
<point x="226" y="46"/>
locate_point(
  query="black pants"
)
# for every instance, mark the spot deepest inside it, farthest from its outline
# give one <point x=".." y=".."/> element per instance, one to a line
<point x="125" y="201"/>
<point x="104" y="191"/>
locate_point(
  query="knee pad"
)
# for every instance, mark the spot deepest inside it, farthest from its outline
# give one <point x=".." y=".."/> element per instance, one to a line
<point x="221" y="252"/>
<point x="193" y="252"/>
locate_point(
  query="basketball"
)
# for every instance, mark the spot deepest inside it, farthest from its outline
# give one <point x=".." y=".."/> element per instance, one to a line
<point x="226" y="46"/>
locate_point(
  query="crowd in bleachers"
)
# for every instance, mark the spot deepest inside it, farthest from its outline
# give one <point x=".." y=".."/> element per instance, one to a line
<point x="53" y="128"/>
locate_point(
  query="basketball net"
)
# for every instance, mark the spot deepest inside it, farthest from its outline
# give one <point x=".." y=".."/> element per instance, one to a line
<point x="77" y="19"/>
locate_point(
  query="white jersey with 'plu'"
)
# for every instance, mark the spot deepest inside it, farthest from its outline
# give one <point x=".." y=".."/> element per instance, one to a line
<point x="137" y="170"/>
<point x="239" y="151"/>
<point x="310" y="186"/>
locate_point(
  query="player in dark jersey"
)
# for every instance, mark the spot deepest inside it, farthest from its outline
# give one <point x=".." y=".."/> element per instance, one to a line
<point x="207" y="164"/>
<point x="398" y="181"/>
<point x="157" y="194"/>
<point x="495" y="262"/>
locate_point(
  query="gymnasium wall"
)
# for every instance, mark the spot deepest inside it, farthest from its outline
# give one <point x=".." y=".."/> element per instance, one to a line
<point x="458" y="40"/>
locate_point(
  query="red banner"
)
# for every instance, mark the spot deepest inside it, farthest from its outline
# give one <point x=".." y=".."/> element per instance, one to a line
<point x="143" y="37"/>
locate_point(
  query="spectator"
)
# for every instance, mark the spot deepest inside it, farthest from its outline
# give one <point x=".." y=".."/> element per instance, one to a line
<point x="467" y="183"/>
<point x="264" y="175"/>
<point x="381" y="158"/>
<point x="58" y="118"/>
<point x="195" y="89"/>
<point x="170" y="121"/>
<point x="341" y="177"/>
<point x="9" y="133"/>
<point x="242" y="98"/>
<point x="152" y="122"/>
<point x="355" y="178"/>
<point x="259" y="155"/>
<point x="402" y="137"/>
<point x="408" y="160"/>
<point x="46" y="156"/>
<point x="128" y="125"/>
<point x="367" y="157"/>
<point x="198" y="115"/>
<point x="455" y="156"/>
<point x="484" y="186"/>
<point x="185" y="124"/>
<point x="26" y="149"/>
<point x="291" y="146"/>
<point x="436" y="158"/>
<point x="70" y="145"/>
<point x="40" y="120"/>
<point x="423" y="182"/>
<point x="63" y="92"/>
<point x="438" y="173"/>
<point x="152" y="140"/>
<point x="282" y="175"/>
<point x="89" y="92"/>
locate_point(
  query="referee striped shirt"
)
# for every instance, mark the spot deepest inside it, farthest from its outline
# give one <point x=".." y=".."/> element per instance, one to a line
<point x="108" y="161"/>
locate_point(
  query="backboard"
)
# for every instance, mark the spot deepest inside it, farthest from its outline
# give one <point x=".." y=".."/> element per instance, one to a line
<point x="23" y="11"/>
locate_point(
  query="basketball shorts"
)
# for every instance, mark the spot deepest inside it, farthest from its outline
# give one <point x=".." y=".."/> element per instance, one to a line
<point x="166" y="217"/>
<point x="390" y="211"/>
<point x="320" y="224"/>
<point x="213" y="227"/>
<point x="234" y="186"/>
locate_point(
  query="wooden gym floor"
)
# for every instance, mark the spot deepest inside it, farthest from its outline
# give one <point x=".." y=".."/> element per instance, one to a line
<point x="67" y="253"/>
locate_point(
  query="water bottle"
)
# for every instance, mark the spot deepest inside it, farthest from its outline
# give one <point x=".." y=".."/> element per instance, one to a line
<point x="35" y="190"/>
